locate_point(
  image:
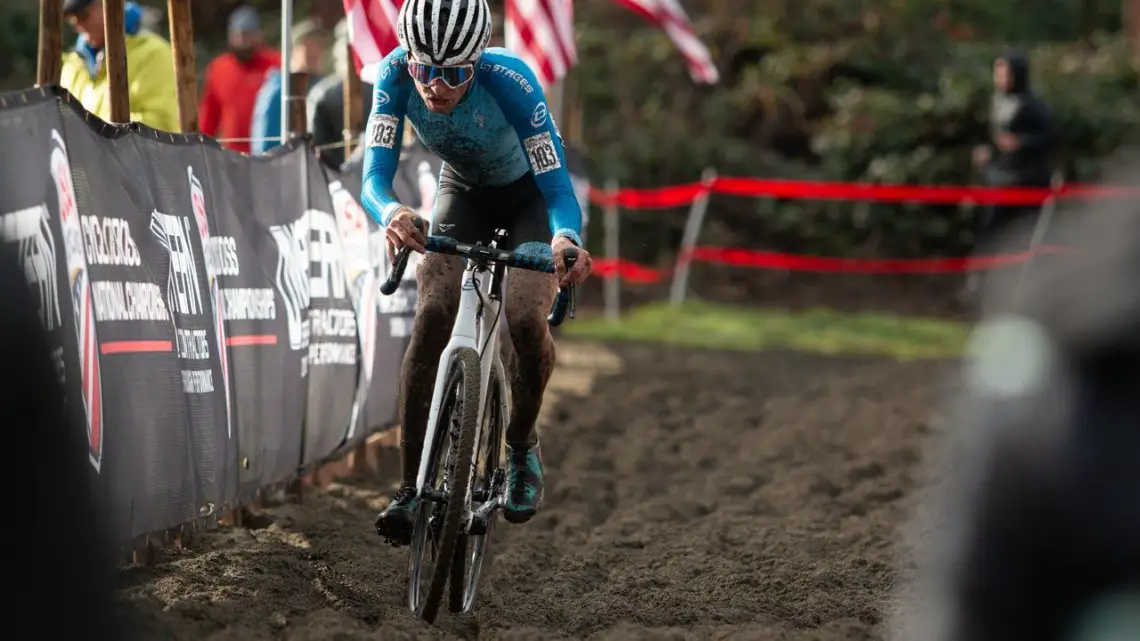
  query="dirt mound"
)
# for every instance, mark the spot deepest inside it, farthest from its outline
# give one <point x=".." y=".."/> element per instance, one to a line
<point x="691" y="495"/>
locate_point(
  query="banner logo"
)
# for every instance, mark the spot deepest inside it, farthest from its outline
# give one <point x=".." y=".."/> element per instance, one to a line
<point x="29" y="229"/>
<point x="292" y="277"/>
<point x="198" y="205"/>
<point x="310" y="268"/>
<point x="184" y="296"/>
<point x="182" y="292"/>
<point x="79" y="286"/>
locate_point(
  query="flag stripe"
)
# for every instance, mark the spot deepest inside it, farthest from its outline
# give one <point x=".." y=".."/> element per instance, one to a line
<point x="371" y="29"/>
<point x="541" y="32"/>
<point x="672" y="19"/>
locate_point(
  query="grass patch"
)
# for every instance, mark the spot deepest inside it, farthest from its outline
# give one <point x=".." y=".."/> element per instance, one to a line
<point x="699" y="324"/>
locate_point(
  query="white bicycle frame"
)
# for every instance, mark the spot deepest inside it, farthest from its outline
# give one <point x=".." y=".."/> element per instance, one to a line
<point x="471" y="329"/>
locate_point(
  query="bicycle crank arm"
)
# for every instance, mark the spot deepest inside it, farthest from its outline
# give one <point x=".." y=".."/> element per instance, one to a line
<point x="481" y="517"/>
<point x="433" y="495"/>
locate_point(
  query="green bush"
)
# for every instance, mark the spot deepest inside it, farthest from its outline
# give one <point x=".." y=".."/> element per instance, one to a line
<point x="893" y="92"/>
<point x="889" y="91"/>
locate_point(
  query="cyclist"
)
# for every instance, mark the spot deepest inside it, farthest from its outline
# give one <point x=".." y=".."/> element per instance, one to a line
<point x="482" y="111"/>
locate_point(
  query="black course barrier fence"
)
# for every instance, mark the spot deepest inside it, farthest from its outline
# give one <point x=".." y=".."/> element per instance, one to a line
<point x="215" y="317"/>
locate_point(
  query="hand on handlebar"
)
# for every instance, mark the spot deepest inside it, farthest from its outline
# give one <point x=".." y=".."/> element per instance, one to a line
<point x="579" y="271"/>
<point x="405" y="228"/>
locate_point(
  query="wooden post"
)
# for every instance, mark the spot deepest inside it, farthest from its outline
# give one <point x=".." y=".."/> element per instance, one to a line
<point x="115" y="52"/>
<point x="185" y="70"/>
<point x="142" y="552"/>
<point x="298" y="87"/>
<point x="353" y="105"/>
<point x="50" y="61"/>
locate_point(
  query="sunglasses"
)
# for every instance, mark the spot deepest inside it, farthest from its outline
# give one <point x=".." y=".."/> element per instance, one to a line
<point x="454" y="77"/>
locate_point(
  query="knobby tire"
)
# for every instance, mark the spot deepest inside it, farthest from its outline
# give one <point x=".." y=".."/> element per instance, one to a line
<point x="466" y="364"/>
<point x="494" y="426"/>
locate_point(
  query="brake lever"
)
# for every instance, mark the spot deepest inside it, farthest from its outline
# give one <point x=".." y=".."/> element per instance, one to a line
<point x="570" y="257"/>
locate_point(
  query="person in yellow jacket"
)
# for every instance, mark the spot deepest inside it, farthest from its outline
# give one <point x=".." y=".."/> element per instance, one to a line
<point x="150" y="67"/>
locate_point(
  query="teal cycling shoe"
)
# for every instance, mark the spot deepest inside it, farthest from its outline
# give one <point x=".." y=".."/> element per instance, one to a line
<point x="524" y="482"/>
<point x="398" y="520"/>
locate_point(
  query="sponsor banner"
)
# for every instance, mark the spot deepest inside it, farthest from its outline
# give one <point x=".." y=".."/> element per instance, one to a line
<point x="37" y="200"/>
<point x="174" y="230"/>
<point x="247" y="198"/>
<point x="215" y="318"/>
<point x="208" y="312"/>
<point x="415" y="184"/>
<point x="119" y="279"/>
<point x="314" y="246"/>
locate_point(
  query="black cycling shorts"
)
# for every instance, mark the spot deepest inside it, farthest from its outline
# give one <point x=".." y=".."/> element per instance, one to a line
<point x="471" y="214"/>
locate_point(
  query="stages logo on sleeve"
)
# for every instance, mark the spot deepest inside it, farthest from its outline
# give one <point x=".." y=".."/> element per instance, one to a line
<point x="515" y="76"/>
<point x="382" y="131"/>
<point x="542" y="154"/>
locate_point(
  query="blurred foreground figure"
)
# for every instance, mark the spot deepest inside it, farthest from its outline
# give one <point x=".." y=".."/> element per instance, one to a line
<point x="57" y="564"/>
<point x="1035" y="532"/>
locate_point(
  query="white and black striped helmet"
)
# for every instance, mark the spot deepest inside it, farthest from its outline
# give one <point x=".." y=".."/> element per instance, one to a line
<point x="444" y="32"/>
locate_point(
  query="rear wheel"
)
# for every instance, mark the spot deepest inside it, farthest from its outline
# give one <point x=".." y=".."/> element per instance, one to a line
<point x="442" y="510"/>
<point x="488" y="483"/>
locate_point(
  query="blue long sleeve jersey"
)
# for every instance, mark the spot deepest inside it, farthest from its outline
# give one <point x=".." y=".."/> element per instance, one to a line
<point x="498" y="132"/>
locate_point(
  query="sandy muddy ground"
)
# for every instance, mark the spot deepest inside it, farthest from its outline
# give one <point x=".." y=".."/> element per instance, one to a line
<point x="690" y="495"/>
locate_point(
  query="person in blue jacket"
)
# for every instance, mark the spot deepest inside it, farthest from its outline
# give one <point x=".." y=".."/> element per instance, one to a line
<point x="308" y="57"/>
<point x="482" y="111"/>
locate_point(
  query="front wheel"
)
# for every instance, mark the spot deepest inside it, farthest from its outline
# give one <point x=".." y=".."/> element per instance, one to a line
<point x="440" y="520"/>
<point x="487" y="486"/>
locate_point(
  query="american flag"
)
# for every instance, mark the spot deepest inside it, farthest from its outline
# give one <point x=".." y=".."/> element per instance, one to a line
<point x="671" y="18"/>
<point x="541" y="32"/>
<point x="372" y="32"/>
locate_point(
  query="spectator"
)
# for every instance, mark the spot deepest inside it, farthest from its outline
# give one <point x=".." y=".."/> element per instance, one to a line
<point x="1022" y="138"/>
<point x="308" y="57"/>
<point x="233" y="79"/>
<point x="150" y="67"/>
<point x="1020" y="151"/>
<point x="326" y="101"/>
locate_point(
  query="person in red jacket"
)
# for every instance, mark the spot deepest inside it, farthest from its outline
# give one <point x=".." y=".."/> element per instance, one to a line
<point x="233" y="79"/>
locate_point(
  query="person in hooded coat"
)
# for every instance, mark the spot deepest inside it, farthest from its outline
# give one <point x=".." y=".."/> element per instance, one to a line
<point x="1022" y="136"/>
<point x="1020" y="150"/>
